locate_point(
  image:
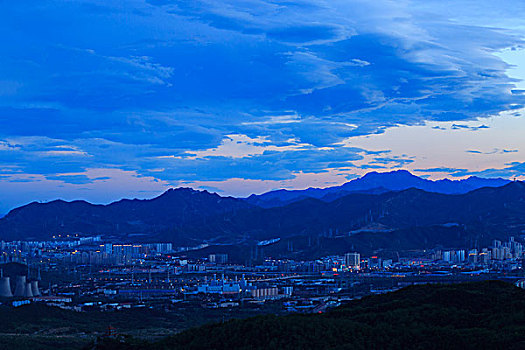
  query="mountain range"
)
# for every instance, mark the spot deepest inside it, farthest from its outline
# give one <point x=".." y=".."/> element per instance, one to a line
<point x="174" y="209"/>
<point x="376" y="183"/>
<point x="376" y="212"/>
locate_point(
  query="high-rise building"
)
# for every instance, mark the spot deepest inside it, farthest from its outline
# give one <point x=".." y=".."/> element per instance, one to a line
<point x="374" y="262"/>
<point x="107" y="248"/>
<point x="352" y="260"/>
<point x="485" y="255"/>
<point x="448" y="255"/>
<point x="460" y="255"/>
<point x="473" y="256"/>
<point x="218" y="258"/>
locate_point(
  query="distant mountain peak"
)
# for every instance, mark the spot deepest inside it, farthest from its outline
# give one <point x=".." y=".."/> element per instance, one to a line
<point x="173" y="190"/>
<point x="399" y="172"/>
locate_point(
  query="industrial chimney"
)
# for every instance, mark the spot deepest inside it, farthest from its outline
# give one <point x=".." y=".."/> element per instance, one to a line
<point x="34" y="289"/>
<point x="20" y="289"/>
<point x="5" y="288"/>
<point x="28" y="293"/>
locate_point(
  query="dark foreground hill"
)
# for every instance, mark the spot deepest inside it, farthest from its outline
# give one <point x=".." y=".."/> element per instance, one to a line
<point x="37" y="326"/>
<point x="482" y="315"/>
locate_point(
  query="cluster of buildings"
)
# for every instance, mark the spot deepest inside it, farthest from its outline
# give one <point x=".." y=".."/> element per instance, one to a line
<point x="113" y="276"/>
<point x="16" y="251"/>
<point x="115" y="254"/>
<point x="241" y="286"/>
<point x="510" y="251"/>
<point x="80" y="250"/>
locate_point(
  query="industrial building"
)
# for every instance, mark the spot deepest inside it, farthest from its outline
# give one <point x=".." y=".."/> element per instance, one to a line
<point x="23" y="288"/>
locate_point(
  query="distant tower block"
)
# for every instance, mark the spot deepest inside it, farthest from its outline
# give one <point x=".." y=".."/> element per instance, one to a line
<point x="5" y="288"/>
<point x="34" y="289"/>
<point x="28" y="292"/>
<point x="20" y="289"/>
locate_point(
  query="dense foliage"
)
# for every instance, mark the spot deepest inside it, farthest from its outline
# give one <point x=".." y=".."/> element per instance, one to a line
<point x="54" y="328"/>
<point x="484" y="315"/>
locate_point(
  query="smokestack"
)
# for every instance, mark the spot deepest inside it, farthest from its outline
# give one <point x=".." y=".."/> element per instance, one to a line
<point x="28" y="291"/>
<point x="34" y="289"/>
<point x="20" y="289"/>
<point x="5" y="288"/>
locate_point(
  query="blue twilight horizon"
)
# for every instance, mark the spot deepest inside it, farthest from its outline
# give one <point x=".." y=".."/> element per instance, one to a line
<point x="107" y="99"/>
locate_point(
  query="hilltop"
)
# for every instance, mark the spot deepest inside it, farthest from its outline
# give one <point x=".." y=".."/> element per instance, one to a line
<point x="481" y="315"/>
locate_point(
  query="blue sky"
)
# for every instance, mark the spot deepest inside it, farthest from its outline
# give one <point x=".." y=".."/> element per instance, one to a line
<point x="107" y="99"/>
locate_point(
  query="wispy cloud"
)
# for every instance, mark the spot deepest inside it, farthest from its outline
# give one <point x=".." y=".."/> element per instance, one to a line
<point x="494" y="151"/>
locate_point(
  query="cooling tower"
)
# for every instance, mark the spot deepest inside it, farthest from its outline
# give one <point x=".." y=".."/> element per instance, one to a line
<point x="34" y="289"/>
<point x="28" y="292"/>
<point x="5" y="288"/>
<point x="20" y="289"/>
